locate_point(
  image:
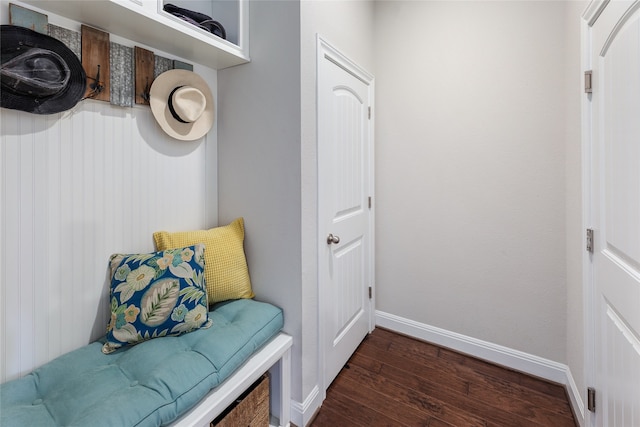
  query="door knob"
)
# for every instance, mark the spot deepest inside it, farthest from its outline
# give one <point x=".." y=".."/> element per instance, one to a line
<point x="332" y="239"/>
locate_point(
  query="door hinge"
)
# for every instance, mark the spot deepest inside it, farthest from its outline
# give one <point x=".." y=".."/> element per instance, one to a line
<point x="370" y="292"/>
<point x="369" y="202"/>
<point x="588" y="86"/>
<point x="591" y="399"/>
<point x="369" y="113"/>
<point x="590" y="240"/>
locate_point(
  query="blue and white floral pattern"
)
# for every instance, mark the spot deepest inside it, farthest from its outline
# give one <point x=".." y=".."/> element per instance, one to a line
<point x="156" y="295"/>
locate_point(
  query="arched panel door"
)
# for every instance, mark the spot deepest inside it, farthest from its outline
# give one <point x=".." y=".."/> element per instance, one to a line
<point x="345" y="216"/>
<point x="615" y="187"/>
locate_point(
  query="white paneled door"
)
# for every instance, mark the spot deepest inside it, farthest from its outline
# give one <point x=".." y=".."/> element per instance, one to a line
<point x="616" y="213"/>
<point x="345" y="218"/>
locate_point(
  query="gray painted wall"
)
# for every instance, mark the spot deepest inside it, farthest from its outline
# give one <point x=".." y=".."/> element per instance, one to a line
<point x="471" y="168"/>
<point x="259" y="160"/>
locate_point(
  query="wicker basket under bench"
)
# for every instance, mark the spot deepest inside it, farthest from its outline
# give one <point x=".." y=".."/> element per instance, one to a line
<point x="251" y="409"/>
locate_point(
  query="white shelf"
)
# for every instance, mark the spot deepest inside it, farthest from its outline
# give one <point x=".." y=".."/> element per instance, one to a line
<point x="145" y="22"/>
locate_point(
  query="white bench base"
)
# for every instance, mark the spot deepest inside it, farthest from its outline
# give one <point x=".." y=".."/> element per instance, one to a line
<point x="275" y="356"/>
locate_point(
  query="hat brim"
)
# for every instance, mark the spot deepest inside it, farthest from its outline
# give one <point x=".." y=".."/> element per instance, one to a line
<point x="160" y="90"/>
<point x="13" y="37"/>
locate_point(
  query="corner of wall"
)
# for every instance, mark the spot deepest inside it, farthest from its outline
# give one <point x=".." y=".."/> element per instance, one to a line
<point x="303" y="413"/>
<point x="575" y="398"/>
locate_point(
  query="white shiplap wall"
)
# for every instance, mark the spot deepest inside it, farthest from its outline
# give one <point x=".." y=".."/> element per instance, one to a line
<point x="76" y="187"/>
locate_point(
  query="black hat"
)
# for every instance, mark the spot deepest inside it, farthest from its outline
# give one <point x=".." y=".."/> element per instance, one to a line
<point x="196" y="18"/>
<point x="40" y="74"/>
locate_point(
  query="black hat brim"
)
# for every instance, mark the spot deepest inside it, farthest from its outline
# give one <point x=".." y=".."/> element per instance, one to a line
<point x="14" y="40"/>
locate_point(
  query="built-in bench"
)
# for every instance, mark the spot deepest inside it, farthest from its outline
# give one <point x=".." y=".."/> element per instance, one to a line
<point x="180" y="381"/>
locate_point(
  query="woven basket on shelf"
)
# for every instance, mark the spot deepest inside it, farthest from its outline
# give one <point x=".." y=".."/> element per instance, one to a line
<point x="251" y="409"/>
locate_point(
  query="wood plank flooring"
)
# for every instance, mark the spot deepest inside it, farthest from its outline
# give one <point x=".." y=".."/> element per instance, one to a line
<point x="393" y="380"/>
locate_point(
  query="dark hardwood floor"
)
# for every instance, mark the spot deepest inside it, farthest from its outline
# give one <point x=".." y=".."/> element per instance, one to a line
<point x="393" y="380"/>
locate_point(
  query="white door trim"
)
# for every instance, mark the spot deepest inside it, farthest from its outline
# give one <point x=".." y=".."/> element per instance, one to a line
<point x="324" y="49"/>
<point x="590" y="15"/>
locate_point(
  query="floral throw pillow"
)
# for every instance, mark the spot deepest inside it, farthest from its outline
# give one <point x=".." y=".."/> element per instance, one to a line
<point x="156" y="295"/>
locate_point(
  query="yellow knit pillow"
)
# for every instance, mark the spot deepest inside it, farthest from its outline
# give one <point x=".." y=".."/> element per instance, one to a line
<point x="225" y="268"/>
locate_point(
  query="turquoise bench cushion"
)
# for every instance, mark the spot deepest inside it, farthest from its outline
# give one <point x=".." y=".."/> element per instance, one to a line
<point x="150" y="384"/>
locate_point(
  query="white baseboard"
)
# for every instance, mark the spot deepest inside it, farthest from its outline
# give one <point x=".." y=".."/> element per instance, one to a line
<point x="301" y="413"/>
<point x="575" y="398"/>
<point x="510" y="358"/>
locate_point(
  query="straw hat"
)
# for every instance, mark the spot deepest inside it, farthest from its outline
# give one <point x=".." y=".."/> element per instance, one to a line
<point x="182" y="104"/>
<point x="40" y="75"/>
